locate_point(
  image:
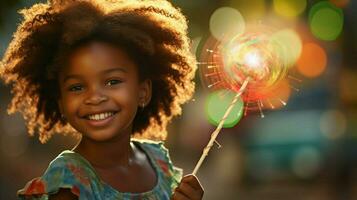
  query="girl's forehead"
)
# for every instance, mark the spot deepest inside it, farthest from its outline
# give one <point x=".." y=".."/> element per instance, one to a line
<point x="96" y="57"/>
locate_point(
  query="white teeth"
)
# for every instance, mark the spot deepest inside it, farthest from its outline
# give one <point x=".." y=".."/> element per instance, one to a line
<point x="100" y="116"/>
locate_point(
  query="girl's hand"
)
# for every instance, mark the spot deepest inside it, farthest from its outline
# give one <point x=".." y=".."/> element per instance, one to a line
<point x="188" y="189"/>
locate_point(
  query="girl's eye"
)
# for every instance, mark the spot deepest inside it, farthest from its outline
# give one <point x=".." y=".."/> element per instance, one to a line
<point x="114" y="81"/>
<point x="75" y="88"/>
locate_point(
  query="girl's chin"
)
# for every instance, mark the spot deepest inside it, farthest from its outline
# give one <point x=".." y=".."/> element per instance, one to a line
<point x="102" y="136"/>
<point x="99" y="137"/>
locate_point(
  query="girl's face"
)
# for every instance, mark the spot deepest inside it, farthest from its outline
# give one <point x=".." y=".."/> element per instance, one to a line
<point x="101" y="91"/>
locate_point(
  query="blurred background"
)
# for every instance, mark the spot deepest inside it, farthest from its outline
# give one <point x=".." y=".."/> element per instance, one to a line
<point x="306" y="149"/>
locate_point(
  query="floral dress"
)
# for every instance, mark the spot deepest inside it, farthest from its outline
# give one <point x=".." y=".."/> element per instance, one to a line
<point x="72" y="171"/>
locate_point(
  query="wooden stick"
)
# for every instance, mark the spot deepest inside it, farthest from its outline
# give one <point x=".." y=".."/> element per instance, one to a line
<point x="219" y="127"/>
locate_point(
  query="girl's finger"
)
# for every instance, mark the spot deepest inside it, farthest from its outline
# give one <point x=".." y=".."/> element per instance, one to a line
<point x="193" y="181"/>
<point x="179" y="196"/>
<point x="189" y="191"/>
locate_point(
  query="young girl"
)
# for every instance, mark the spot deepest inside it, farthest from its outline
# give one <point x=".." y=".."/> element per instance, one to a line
<point x="109" y="71"/>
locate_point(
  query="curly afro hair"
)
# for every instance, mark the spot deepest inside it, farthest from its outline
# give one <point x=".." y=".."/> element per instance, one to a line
<point x="152" y="32"/>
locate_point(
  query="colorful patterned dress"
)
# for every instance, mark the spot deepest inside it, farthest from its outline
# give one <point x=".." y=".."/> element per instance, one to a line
<point x="71" y="170"/>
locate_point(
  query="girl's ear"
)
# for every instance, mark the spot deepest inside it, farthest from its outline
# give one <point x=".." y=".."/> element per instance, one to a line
<point x="145" y="92"/>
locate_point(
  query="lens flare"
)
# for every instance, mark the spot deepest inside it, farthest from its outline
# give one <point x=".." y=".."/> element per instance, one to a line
<point x="259" y="55"/>
<point x="253" y="59"/>
<point x="277" y="96"/>
<point x="250" y="56"/>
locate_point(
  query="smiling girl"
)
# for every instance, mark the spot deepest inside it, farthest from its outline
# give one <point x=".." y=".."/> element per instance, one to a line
<point x="114" y="73"/>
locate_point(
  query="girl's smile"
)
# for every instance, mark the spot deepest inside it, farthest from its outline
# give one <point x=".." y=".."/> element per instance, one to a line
<point x="100" y="119"/>
<point x="101" y="91"/>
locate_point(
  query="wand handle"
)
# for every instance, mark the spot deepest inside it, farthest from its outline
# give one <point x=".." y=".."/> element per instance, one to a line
<point x="219" y="127"/>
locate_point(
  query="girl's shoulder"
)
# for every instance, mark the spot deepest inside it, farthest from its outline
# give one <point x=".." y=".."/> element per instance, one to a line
<point x="156" y="148"/>
<point x="68" y="171"/>
<point x="162" y="158"/>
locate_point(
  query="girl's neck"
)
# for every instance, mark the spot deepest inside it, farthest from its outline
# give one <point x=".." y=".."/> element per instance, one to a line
<point x="118" y="152"/>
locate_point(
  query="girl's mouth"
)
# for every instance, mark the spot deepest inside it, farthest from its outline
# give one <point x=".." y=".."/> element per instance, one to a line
<point x="100" y="119"/>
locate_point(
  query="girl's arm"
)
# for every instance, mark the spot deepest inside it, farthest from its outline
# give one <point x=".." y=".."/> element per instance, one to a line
<point x="188" y="189"/>
<point x="63" y="194"/>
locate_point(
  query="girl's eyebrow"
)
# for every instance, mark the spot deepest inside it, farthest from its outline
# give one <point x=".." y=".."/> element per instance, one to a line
<point x="107" y="71"/>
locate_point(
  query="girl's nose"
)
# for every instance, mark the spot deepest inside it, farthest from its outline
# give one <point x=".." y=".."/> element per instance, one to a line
<point x="95" y="97"/>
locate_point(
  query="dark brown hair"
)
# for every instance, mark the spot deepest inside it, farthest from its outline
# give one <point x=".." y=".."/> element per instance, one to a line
<point x="152" y="32"/>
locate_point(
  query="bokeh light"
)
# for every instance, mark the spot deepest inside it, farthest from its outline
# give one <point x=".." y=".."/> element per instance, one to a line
<point x="340" y="3"/>
<point x="326" y="21"/>
<point x="347" y="85"/>
<point x="289" y="8"/>
<point x="312" y="61"/>
<point x="251" y="10"/>
<point x="287" y="44"/>
<point x="226" y="22"/>
<point x="306" y="162"/>
<point x="333" y="124"/>
<point x="216" y="105"/>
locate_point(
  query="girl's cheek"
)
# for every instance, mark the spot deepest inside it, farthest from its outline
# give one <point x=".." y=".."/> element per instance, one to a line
<point x="121" y="96"/>
<point x="71" y="101"/>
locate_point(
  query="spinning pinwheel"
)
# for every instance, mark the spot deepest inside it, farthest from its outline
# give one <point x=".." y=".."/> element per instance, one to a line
<point x="249" y="67"/>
